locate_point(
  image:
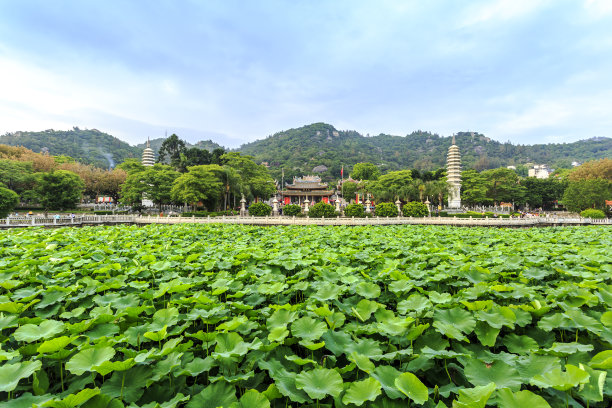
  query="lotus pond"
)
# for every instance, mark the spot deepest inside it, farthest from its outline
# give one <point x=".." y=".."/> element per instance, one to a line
<point x="238" y="316"/>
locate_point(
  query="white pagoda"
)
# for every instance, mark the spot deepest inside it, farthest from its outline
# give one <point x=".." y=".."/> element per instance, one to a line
<point x="148" y="156"/>
<point x="453" y="176"/>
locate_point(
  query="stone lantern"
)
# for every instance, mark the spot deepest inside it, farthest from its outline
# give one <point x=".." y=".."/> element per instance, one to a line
<point x="337" y="204"/>
<point x="306" y="202"/>
<point x="428" y="207"/>
<point x="398" y="204"/>
<point x="243" y="206"/>
<point x="368" y="208"/>
<point x="275" y="207"/>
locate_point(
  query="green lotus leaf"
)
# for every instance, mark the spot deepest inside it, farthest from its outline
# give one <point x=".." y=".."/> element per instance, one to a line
<point x="74" y="400"/>
<point x="103" y="330"/>
<point x="336" y="320"/>
<point x="362" y="391"/>
<point x="327" y="292"/>
<point x="33" y="332"/>
<point x="606" y="319"/>
<point x="486" y="334"/>
<point x="453" y="323"/>
<point x="219" y="394"/>
<point x="594" y="389"/>
<point x="319" y="382"/>
<point x="564" y="349"/>
<point x="364" y="309"/>
<point x="561" y="380"/>
<point x="164" y="318"/>
<point x="414" y="303"/>
<point x="497" y="317"/>
<point x="252" y="399"/>
<point x="300" y="361"/>
<point x="127" y="385"/>
<point x="197" y="366"/>
<point x="108" y="366"/>
<point x="390" y="324"/>
<point x="281" y="318"/>
<point x="412" y="387"/>
<point x="40" y="383"/>
<point x="439" y="298"/>
<point x="27" y="400"/>
<point x="368" y="290"/>
<point x="602" y="360"/>
<point x="278" y="334"/>
<point x="367" y="347"/>
<point x="230" y="345"/>
<point x="362" y="362"/>
<point x="525" y="398"/>
<point x="159" y="335"/>
<point x="7" y="321"/>
<point x="312" y="346"/>
<point x="233" y="379"/>
<point x="7" y="355"/>
<point x="10" y="374"/>
<point x="308" y="328"/>
<point x="232" y="324"/>
<point x="89" y="358"/>
<point x="519" y="344"/>
<point x="53" y="345"/>
<point x="476" y="397"/>
<point x="386" y="375"/>
<point x="503" y="375"/>
<point x="172" y="403"/>
<point x="337" y="341"/>
<point x="285" y="382"/>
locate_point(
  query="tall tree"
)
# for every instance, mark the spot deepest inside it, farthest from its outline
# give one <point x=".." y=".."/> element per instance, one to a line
<point x="8" y="200"/>
<point x="392" y="185"/>
<point x="543" y="192"/>
<point x="473" y="188"/>
<point x="255" y="179"/>
<point x="59" y="190"/>
<point x="170" y="151"/>
<point x="154" y="182"/>
<point x="365" y="171"/>
<point x="592" y="193"/>
<point x="199" y="184"/>
<point x="503" y="186"/>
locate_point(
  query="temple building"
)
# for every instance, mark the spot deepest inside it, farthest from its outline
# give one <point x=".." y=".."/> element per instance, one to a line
<point x="306" y="188"/>
<point x="453" y="176"/>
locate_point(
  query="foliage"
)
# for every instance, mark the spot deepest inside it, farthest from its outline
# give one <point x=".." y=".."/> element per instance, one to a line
<point x="17" y="176"/>
<point x="582" y="194"/>
<point x="354" y="210"/>
<point x="260" y="209"/>
<point x="292" y="209"/>
<point x="592" y="213"/>
<point x="59" y="190"/>
<point x="199" y="184"/>
<point x="392" y="185"/>
<point x="8" y="201"/>
<point x="89" y="146"/>
<point x="543" y="193"/>
<point x="473" y="188"/>
<point x="255" y="181"/>
<point x="365" y="171"/>
<point x="170" y="152"/>
<point x="220" y="315"/>
<point x="386" y="210"/>
<point x="154" y="183"/>
<point x="349" y="189"/>
<point x="322" y="209"/>
<point x="596" y="169"/>
<point x="503" y="186"/>
<point x="415" y="209"/>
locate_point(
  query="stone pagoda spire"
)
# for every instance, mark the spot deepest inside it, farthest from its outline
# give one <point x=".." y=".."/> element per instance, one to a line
<point x="148" y="156"/>
<point x="453" y="176"/>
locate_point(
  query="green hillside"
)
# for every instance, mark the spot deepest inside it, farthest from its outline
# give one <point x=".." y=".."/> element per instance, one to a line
<point x="303" y="149"/>
<point x="85" y="145"/>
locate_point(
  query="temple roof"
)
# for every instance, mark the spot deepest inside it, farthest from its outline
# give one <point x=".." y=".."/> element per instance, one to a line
<point x="307" y="183"/>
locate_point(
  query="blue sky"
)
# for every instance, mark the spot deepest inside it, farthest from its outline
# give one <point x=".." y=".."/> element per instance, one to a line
<point x="526" y="71"/>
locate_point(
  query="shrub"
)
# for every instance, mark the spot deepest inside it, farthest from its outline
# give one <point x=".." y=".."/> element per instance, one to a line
<point x="386" y="210"/>
<point x="292" y="209"/>
<point x="8" y="201"/>
<point x="592" y="213"/>
<point x="322" y="209"/>
<point x="415" y="209"/>
<point x="354" y="210"/>
<point x="260" y="209"/>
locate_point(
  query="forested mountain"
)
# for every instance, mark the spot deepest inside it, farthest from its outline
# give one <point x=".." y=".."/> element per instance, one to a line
<point x="324" y="149"/>
<point x="88" y="146"/>
<point x="301" y="150"/>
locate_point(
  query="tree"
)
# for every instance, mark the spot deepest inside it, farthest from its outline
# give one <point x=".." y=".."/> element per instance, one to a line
<point x="131" y="166"/>
<point x="8" y="201"/>
<point x="170" y="151"/>
<point x="17" y="176"/>
<point x="255" y="180"/>
<point x="199" y="184"/>
<point x="154" y="182"/>
<point x="582" y="194"/>
<point x="595" y="169"/>
<point x="322" y="209"/>
<point x="543" y="192"/>
<point x="503" y="186"/>
<point x="195" y="157"/>
<point x="473" y="188"/>
<point x="392" y="185"/>
<point x="386" y="210"/>
<point x="349" y="189"/>
<point x="415" y="209"/>
<point x="437" y="189"/>
<point x="365" y="171"/>
<point x="59" y="190"/>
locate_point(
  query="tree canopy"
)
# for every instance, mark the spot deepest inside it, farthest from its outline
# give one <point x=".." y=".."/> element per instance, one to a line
<point x="59" y="190"/>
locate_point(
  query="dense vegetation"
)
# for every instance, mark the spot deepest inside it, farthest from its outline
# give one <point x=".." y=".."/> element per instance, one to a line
<point x="89" y="146"/>
<point x="300" y="150"/>
<point x="235" y="316"/>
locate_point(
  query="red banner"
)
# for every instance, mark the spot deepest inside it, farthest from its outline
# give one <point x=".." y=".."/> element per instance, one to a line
<point x="325" y="200"/>
<point x="287" y="200"/>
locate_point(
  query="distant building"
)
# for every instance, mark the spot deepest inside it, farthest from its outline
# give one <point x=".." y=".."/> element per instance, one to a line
<point x="511" y="167"/>
<point x="576" y="164"/>
<point x="306" y="188"/>
<point x="540" y="171"/>
<point x="148" y="156"/>
<point x="453" y="176"/>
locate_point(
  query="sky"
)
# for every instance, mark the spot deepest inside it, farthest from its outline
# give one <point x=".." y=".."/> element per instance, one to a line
<point x="524" y="71"/>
